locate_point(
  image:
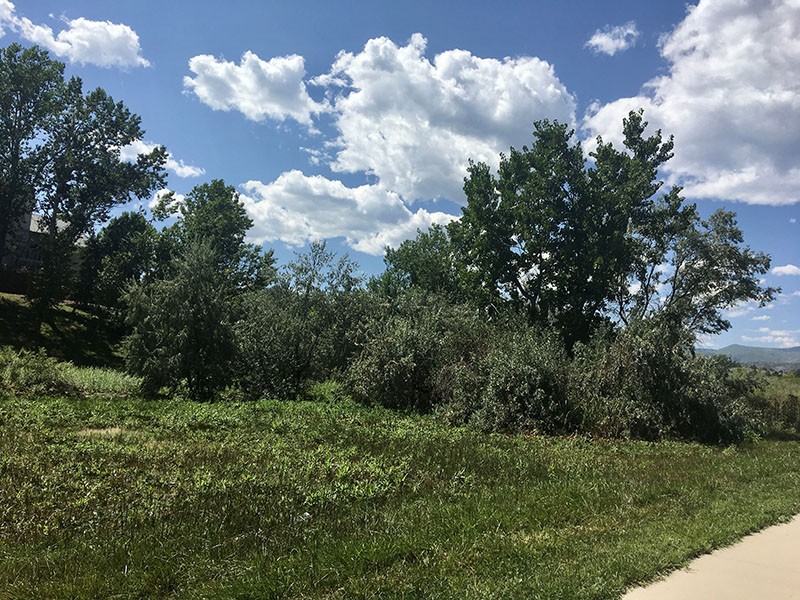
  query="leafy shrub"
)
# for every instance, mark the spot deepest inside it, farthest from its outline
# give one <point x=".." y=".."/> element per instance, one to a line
<point x="644" y="382"/>
<point x="519" y="384"/>
<point x="26" y="373"/>
<point x="775" y="397"/>
<point x="300" y="330"/>
<point x="406" y="345"/>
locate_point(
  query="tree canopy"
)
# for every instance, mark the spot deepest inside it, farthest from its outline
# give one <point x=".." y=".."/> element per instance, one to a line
<point x="62" y="158"/>
<point x="212" y="212"/>
<point x="565" y="239"/>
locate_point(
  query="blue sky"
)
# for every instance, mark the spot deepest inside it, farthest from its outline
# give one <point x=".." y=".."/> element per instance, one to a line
<point x="353" y="121"/>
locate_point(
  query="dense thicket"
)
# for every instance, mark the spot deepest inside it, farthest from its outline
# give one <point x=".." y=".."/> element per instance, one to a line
<point x="566" y="299"/>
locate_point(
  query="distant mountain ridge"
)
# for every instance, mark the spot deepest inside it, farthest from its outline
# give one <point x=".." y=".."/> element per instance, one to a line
<point x="774" y="358"/>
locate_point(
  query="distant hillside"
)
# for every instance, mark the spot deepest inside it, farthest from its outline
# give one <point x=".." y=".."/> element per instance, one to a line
<point x="773" y="358"/>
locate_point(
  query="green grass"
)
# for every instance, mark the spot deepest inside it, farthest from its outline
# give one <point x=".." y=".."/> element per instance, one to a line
<point x="777" y="398"/>
<point x="107" y="496"/>
<point x="64" y="332"/>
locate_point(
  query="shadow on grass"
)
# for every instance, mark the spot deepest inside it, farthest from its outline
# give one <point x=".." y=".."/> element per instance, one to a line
<point x="68" y="334"/>
<point x="783" y="436"/>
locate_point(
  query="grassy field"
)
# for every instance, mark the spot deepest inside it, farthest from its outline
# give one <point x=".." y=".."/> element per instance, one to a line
<point x="106" y="495"/>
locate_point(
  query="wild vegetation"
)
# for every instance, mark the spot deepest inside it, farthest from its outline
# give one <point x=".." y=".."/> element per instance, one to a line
<point x="104" y="493"/>
<point x="479" y="420"/>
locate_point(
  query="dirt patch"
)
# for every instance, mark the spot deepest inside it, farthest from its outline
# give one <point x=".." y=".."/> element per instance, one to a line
<point x="107" y="432"/>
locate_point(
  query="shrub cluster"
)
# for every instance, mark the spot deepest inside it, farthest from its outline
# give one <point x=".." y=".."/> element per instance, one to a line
<point x="640" y="382"/>
<point x="422" y="350"/>
<point x="25" y="373"/>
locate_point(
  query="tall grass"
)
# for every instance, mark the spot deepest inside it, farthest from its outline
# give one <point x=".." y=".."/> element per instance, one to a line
<point x="122" y="497"/>
<point x="30" y="374"/>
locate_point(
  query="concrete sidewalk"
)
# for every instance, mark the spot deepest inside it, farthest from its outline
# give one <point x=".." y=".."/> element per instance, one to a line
<point x="763" y="565"/>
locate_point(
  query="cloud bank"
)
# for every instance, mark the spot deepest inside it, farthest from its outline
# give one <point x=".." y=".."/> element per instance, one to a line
<point x="730" y="98"/>
<point x="407" y="123"/>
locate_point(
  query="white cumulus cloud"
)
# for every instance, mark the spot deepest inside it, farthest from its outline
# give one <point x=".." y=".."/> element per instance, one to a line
<point x="413" y="123"/>
<point x="786" y="270"/>
<point x="297" y="208"/>
<point x="180" y="168"/>
<point x="83" y="41"/>
<point x="257" y="88"/>
<point x="407" y="123"/>
<point x="762" y="318"/>
<point x="731" y="99"/>
<point x="610" y="40"/>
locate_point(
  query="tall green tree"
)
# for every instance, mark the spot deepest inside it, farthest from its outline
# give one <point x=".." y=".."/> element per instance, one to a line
<point x="84" y="177"/>
<point x="703" y="268"/>
<point x="30" y="89"/>
<point x="213" y="212"/>
<point x="122" y="252"/>
<point x="568" y="241"/>
<point x="181" y="325"/>
<point x="426" y="262"/>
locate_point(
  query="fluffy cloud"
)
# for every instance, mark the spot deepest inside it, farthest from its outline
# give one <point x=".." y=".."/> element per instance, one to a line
<point x="296" y="208"/>
<point x="728" y="100"/>
<point x="258" y="88"/>
<point x="786" y="270"/>
<point x="407" y="123"/>
<point x="181" y="169"/>
<point x="100" y="43"/>
<point x="762" y="318"/>
<point x="777" y="337"/>
<point x="611" y="40"/>
<point x="414" y="123"/>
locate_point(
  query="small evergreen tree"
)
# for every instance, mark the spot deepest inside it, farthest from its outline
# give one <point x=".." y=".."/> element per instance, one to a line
<point x="182" y="325"/>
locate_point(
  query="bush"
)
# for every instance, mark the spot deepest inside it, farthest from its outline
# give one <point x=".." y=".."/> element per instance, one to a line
<point x="644" y="382"/>
<point x="301" y="330"/>
<point x="182" y="326"/>
<point x="519" y="384"/>
<point x="28" y="374"/>
<point x="775" y="397"/>
<point x="405" y="347"/>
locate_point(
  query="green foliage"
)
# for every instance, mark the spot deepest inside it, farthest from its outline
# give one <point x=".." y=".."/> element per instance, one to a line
<point x="30" y="374"/>
<point x="182" y="326"/>
<point x="646" y="383"/>
<point x="406" y="346"/>
<point x="547" y="234"/>
<point x="520" y="383"/>
<point x="84" y="178"/>
<point x="775" y="397"/>
<point x="123" y="252"/>
<point x="427" y="262"/>
<point x="29" y="90"/>
<point x="212" y="212"/>
<point x="570" y="245"/>
<point x="699" y="267"/>
<point x="301" y="329"/>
